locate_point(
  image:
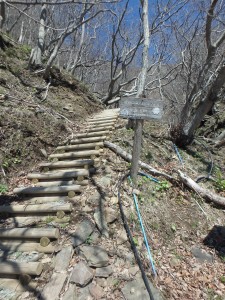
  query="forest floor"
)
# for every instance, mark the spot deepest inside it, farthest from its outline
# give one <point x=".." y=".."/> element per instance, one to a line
<point x="177" y="220"/>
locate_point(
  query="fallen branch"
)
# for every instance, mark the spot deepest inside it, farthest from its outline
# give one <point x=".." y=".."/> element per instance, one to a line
<point x="128" y="157"/>
<point x="219" y="200"/>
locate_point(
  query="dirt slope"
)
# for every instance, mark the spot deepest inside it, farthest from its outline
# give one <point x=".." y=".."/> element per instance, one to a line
<point x="29" y="123"/>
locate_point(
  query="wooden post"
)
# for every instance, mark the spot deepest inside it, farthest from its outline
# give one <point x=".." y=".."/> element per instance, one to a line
<point x="136" y="149"/>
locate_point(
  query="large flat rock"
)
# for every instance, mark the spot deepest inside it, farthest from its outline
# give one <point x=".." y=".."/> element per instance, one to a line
<point x="82" y="232"/>
<point x="62" y="259"/>
<point x="95" y="256"/>
<point x="53" y="288"/>
<point x="136" y="290"/>
<point x="81" y="274"/>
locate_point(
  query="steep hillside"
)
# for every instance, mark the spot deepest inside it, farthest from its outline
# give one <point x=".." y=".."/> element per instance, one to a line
<point x="35" y="115"/>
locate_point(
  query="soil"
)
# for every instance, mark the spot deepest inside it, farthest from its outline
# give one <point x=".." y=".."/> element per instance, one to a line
<point x="30" y="125"/>
<point x="176" y="219"/>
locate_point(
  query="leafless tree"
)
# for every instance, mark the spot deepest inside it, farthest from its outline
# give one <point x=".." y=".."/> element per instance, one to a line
<point x="205" y="70"/>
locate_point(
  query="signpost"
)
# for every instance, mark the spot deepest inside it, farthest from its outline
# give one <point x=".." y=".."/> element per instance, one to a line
<point x="139" y="109"/>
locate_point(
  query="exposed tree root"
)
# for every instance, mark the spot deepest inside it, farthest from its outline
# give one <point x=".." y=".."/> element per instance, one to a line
<point x="212" y="197"/>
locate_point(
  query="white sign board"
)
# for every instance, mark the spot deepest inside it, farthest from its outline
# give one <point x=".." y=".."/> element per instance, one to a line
<point x="141" y="108"/>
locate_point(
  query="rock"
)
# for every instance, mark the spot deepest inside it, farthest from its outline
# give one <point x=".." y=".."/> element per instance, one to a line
<point x="137" y="192"/>
<point x="84" y="294"/>
<point x="216" y="239"/>
<point x="105" y="181"/>
<point x="94" y="237"/>
<point x="136" y="289"/>
<point x="81" y="274"/>
<point x="53" y="288"/>
<point x="71" y="293"/>
<point x="87" y="209"/>
<point x="101" y="281"/>
<point x="101" y="222"/>
<point x="103" y="272"/>
<point x="44" y="153"/>
<point x="201" y="255"/>
<point x="96" y="291"/>
<point x="84" y="229"/>
<point x="62" y="259"/>
<point x="111" y="215"/>
<point x="121" y="237"/>
<point x="95" y="256"/>
<point x="134" y="270"/>
<point x="95" y="199"/>
<point x="108" y="170"/>
<point x="114" y="200"/>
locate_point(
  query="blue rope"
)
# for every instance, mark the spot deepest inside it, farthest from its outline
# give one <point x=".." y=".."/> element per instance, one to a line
<point x="142" y="225"/>
<point x="178" y="154"/>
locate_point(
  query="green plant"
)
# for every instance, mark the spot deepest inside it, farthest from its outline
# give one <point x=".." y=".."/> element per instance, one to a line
<point x="162" y="186"/>
<point x="89" y="240"/>
<point x="3" y="189"/>
<point x="219" y="182"/>
<point x="222" y="279"/>
<point x="49" y="219"/>
<point x="135" y="241"/>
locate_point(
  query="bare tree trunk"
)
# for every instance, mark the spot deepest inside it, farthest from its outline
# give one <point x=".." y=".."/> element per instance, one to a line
<point x="2" y="13"/>
<point x="208" y="87"/>
<point x="20" y="40"/>
<point x="192" y="116"/>
<point x="37" y="51"/>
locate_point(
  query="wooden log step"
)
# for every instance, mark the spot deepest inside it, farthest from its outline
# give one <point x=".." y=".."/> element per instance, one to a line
<point x="26" y="247"/>
<point x="17" y="285"/>
<point x="56" y="175"/>
<point x="81" y="182"/>
<point x="29" y="268"/>
<point x="55" y="183"/>
<point x="75" y="154"/>
<point x="92" y="134"/>
<point x="81" y="146"/>
<point x="29" y="233"/>
<point x="67" y="164"/>
<point x="101" y="121"/>
<point x="42" y="208"/>
<point x="95" y="129"/>
<point x="104" y="126"/>
<point x="47" y="190"/>
<point x="88" y="140"/>
<point x="39" y="199"/>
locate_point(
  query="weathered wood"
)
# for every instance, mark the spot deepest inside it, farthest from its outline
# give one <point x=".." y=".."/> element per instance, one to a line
<point x="88" y="140"/>
<point x="44" y="241"/>
<point x="104" y="125"/>
<point x="47" y="190"/>
<point x="58" y="174"/>
<point x="92" y="134"/>
<point x="41" y="208"/>
<point x="45" y="199"/>
<point x="62" y="183"/>
<point x="16" y="285"/>
<point x="141" y="108"/>
<point x="12" y="267"/>
<point x="208" y="195"/>
<point x="29" y="233"/>
<point x="101" y="122"/>
<point x="136" y="149"/>
<point x="68" y="164"/>
<point x="55" y="183"/>
<point x="81" y="146"/>
<point x="128" y="157"/>
<point x="75" y="154"/>
<point x="95" y="129"/>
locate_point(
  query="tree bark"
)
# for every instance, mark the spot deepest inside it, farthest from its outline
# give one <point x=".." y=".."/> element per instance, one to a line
<point x="38" y="50"/>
